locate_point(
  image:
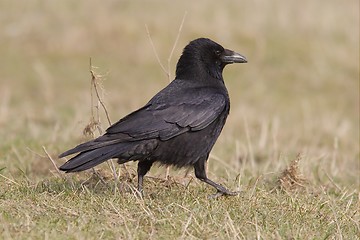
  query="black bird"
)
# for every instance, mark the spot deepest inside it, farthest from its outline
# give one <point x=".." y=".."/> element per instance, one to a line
<point x="178" y="126"/>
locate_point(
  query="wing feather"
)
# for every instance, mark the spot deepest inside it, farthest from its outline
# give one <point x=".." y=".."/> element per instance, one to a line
<point x="169" y="119"/>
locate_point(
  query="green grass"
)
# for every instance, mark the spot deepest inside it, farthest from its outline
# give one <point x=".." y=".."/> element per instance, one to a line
<point x="299" y="93"/>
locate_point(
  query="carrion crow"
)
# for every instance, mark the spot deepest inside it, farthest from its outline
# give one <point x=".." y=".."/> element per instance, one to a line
<point x="178" y="126"/>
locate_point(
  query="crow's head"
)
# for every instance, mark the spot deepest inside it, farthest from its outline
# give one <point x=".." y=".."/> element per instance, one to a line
<point x="203" y="55"/>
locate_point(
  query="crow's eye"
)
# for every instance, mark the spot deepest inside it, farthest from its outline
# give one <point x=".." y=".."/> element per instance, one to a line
<point x="217" y="52"/>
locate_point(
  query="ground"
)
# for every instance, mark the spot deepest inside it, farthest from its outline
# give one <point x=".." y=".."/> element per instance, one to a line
<point x="291" y="142"/>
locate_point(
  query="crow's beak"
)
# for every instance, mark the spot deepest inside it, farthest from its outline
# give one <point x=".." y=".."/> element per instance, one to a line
<point x="229" y="57"/>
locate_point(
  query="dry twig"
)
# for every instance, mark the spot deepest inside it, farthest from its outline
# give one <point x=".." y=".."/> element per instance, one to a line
<point x="52" y="160"/>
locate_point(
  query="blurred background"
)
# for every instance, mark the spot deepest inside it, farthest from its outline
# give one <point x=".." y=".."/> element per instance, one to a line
<point x="299" y="92"/>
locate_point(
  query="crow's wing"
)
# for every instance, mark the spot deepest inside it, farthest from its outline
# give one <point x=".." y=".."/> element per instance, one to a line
<point x="168" y="119"/>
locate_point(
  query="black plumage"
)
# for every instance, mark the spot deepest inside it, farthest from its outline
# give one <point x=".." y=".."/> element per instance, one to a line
<point x="178" y="126"/>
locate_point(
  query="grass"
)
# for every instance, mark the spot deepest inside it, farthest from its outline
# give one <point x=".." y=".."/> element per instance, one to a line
<point x="299" y="93"/>
<point x="71" y="209"/>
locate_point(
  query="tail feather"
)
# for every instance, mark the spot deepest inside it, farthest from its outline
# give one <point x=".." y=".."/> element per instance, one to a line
<point x="91" y="158"/>
<point x="99" y="150"/>
<point x="87" y="146"/>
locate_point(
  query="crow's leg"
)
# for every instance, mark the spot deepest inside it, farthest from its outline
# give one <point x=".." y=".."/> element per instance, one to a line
<point x="143" y="167"/>
<point x="200" y="173"/>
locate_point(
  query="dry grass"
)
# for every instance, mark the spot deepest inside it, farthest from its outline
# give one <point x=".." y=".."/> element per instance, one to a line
<point x="299" y="93"/>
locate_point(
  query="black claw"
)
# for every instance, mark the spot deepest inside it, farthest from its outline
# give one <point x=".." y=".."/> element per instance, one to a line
<point x="223" y="193"/>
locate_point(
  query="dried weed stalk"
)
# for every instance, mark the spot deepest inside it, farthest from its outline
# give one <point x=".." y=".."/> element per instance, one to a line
<point x="168" y="70"/>
<point x="95" y="123"/>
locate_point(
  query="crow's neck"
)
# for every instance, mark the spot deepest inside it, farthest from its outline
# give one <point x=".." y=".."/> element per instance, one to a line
<point x="195" y="69"/>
